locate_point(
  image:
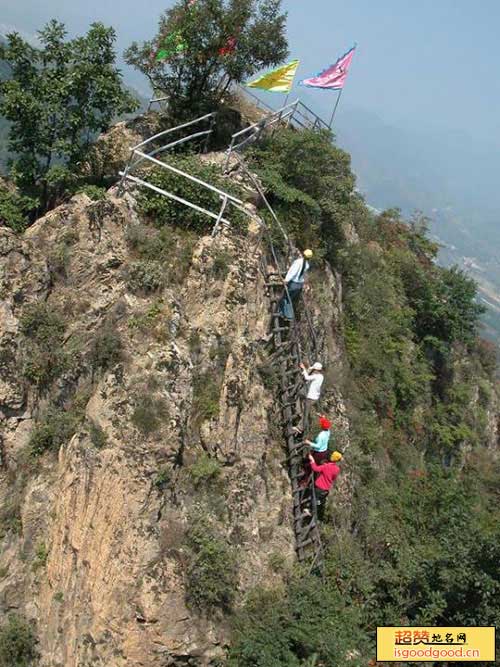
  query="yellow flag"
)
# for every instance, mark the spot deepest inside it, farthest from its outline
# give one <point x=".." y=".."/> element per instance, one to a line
<point x="279" y="80"/>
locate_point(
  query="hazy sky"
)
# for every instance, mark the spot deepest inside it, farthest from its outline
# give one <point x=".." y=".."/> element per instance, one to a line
<point x="419" y="62"/>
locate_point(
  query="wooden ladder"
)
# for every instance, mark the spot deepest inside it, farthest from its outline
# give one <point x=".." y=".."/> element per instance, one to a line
<point x="286" y="359"/>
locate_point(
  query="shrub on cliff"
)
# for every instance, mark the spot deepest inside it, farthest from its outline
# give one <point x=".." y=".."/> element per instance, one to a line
<point x="204" y="471"/>
<point x="54" y="430"/>
<point x="287" y="627"/>
<point x="172" y="246"/>
<point x="106" y="349"/>
<point x="149" y="413"/>
<point x="164" y="211"/>
<point x="145" y="276"/>
<point x="310" y="185"/>
<point x="211" y="578"/>
<point x="44" y="356"/>
<point x="17" y="643"/>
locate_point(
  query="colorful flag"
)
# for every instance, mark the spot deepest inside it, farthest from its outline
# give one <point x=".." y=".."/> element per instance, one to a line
<point x="229" y="47"/>
<point x="279" y="80"/>
<point x="170" y="46"/>
<point x="332" y="78"/>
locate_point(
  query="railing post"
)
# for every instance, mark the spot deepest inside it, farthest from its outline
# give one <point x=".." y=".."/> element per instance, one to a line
<point x="207" y="138"/>
<point x="291" y="116"/>
<point x="229" y="152"/>
<point x="124" y="175"/>
<point x="221" y="213"/>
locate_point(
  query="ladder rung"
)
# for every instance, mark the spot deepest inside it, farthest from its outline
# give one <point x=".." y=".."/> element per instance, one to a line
<point x="301" y="545"/>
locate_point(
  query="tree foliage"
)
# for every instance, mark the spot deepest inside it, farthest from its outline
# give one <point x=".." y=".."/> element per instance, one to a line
<point x="58" y="97"/>
<point x="196" y="78"/>
<point x="312" y="195"/>
<point x="15" y="209"/>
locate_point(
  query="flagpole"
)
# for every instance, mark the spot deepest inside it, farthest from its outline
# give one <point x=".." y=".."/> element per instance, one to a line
<point x="335" y="109"/>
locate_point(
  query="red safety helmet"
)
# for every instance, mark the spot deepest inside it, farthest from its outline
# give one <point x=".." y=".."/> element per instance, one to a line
<point x="325" y="423"/>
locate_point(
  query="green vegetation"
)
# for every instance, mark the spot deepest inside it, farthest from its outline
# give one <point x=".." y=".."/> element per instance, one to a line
<point x="410" y="326"/>
<point x="286" y="627"/>
<point x="314" y="198"/>
<point x="58" y="98"/>
<point x="107" y="348"/>
<point x="44" y="356"/>
<point x="41" y="555"/>
<point x="17" y="643"/>
<point x="164" y="211"/>
<point x="10" y="515"/>
<point x="95" y="192"/>
<point x="59" y="256"/>
<point x="421" y="558"/>
<point x="205" y="470"/>
<point x="220" y="266"/>
<point x="55" y="429"/>
<point x="15" y="209"/>
<point x="148" y="414"/>
<point x="155" y="321"/>
<point x="206" y="395"/>
<point x="97" y="435"/>
<point x="170" y="246"/>
<point x="145" y="276"/>
<point x="197" y="78"/>
<point x="162" y="478"/>
<point x="211" y="578"/>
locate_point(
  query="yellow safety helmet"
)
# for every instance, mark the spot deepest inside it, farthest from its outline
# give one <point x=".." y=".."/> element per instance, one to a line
<point x="308" y="253"/>
<point x="336" y="456"/>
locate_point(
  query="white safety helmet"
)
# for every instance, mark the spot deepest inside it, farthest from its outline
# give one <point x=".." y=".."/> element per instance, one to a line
<point x="317" y="366"/>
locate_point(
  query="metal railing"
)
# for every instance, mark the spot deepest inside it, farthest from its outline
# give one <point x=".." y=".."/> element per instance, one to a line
<point x="161" y="101"/>
<point x="149" y="150"/>
<point x="304" y="117"/>
<point x="139" y="155"/>
<point x="254" y="132"/>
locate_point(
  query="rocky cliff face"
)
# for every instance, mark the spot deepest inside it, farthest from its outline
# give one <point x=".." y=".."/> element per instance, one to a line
<point x="172" y="417"/>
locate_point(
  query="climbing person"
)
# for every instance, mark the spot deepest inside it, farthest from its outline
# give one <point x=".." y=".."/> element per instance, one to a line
<point x="314" y="376"/>
<point x="327" y="473"/>
<point x="294" y="282"/>
<point x="319" y="446"/>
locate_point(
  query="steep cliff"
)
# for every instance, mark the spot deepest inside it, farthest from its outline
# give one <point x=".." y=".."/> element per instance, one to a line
<point x="144" y="486"/>
<point x="169" y="420"/>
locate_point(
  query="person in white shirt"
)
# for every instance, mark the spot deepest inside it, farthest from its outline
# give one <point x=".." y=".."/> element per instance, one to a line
<point x="294" y="282"/>
<point x="314" y="376"/>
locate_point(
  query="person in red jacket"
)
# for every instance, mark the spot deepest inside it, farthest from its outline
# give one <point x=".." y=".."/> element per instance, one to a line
<point x="327" y="473"/>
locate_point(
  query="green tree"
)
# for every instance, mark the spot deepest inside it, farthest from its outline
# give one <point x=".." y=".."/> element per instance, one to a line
<point x="196" y="78"/>
<point x="57" y="98"/>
